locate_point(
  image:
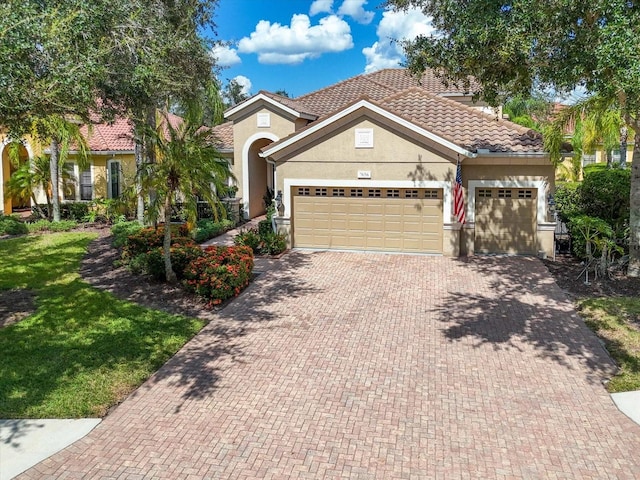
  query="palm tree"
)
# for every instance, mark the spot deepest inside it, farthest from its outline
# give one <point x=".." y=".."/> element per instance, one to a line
<point x="595" y="121"/>
<point x="187" y="164"/>
<point x="61" y="134"/>
<point x="28" y="178"/>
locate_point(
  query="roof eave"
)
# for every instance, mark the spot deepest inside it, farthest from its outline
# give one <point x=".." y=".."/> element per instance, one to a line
<point x="234" y="111"/>
<point x="377" y="109"/>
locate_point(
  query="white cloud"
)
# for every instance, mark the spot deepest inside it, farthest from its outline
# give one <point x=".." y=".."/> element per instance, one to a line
<point x="355" y="9"/>
<point x="394" y="27"/>
<point x="245" y="83"/>
<point x="225" y="55"/>
<point x="321" y="6"/>
<point x="291" y="44"/>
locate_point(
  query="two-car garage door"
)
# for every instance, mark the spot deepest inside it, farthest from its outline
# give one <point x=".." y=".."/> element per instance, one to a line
<point x="384" y="219"/>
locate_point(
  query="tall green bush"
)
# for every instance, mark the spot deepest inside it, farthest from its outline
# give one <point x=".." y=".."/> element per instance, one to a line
<point x="605" y="194"/>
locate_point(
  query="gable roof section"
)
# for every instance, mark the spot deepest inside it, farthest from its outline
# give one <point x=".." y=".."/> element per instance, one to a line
<point x="377" y="86"/>
<point x="362" y="103"/>
<point x="467" y="127"/>
<point x="291" y="107"/>
<point x="109" y="137"/>
<point x="459" y="128"/>
<point x="224" y="134"/>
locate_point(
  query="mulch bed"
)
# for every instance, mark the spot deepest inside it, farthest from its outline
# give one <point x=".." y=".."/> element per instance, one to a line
<point x="567" y="272"/>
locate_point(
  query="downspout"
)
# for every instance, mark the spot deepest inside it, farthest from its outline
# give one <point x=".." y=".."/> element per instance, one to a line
<point x="273" y="217"/>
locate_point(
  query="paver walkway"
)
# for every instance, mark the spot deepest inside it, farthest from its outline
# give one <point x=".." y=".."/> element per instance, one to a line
<point x="345" y="365"/>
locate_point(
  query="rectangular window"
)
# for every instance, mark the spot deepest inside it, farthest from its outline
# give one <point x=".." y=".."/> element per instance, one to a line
<point x="525" y="193"/>
<point x="504" y="193"/>
<point x="86" y="186"/>
<point x="304" y="191"/>
<point x="393" y="193"/>
<point x="484" y="193"/>
<point x="411" y="194"/>
<point x="374" y="192"/>
<point x="355" y="192"/>
<point x="321" y="192"/>
<point x="431" y="194"/>
<point x="69" y="181"/>
<point x="115" y="183"/>
<point x="337" y="192"/>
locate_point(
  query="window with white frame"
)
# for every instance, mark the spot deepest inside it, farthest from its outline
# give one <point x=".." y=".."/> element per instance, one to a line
<point x="68" y="176"/>
<point x="86" y="185"/>
<point x="114" y="179"/>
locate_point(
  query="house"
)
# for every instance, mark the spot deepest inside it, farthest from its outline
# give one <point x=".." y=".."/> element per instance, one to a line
<point x="369" y="164"/>
<point x="111" y="164"/>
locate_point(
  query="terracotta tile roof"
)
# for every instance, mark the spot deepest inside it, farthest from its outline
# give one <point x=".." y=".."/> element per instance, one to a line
<point x="289" y="102"/>
<point x="376" y="85"/>
<point x="106" y="137"/>
<point x="465" y="126"/>
<point x="224" y="133"/>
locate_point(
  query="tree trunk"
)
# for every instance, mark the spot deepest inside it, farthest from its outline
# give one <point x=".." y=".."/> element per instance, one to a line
<point x="37" y="206"/>
<point x="55" y="195"/>
<point x="634" y="203"/>
<point x="166" y="244"/>
<point x="139" y="194"/>
<point x="624" y="136"/>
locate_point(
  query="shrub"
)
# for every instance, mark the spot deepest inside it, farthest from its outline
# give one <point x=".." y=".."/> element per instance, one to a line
<point x="146" y="239"/>
<point x="248" y="238"/>
<point x="75" y="211"/>
<point x="47" y="226"/>
<point x="585" y="229"/>
<point x="121" y="232"/>
<point x="181" y="253"/>
<point x="568" y="200"/>
<point x="605" y="194"/>
<point x="264" y="228"/>
<point x="221" y="273"/>
<point x="273" y="244"/>
<point x="11" y="225"/>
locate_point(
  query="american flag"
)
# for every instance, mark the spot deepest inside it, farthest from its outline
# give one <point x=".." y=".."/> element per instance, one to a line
<point x="458" y="195"/>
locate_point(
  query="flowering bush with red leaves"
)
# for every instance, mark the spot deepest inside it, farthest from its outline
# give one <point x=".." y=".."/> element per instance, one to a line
<point x="149" y="238"/>
<point x="221" y="273"/>
<point x="182" y="253"/>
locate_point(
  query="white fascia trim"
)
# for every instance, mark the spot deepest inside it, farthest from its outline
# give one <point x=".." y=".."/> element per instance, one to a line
<point x="541" y="185"/>
<point x="269" y="100"/>
<point x="245" y="164"/>
<point x="323" y="182"/>
<point x="512" y="154"/>
<point x="380" y="111"/>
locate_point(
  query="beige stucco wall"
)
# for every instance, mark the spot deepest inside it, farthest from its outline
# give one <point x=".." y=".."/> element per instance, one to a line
<point x="392" y="157"/>
<point x="246" y="131"/>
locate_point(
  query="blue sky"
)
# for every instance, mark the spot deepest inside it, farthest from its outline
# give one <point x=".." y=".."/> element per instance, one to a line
<point x="303" y="45"/>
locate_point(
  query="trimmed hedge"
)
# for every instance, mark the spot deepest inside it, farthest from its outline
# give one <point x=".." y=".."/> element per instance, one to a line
<point x="221" y="273"/>
<point x="182" y="253"/>
<point x="206" y="229"/>
<point x="263" y="241"/>
<point x="146" y="239"/>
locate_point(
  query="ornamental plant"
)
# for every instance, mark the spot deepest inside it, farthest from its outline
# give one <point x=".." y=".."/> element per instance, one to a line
<point x="220" y="273"/>
<point x="149" y="238"/>
<point x="183" y="251"/>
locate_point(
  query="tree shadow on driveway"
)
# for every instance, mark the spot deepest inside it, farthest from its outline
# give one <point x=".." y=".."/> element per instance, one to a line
<point x="197" y="369"/>
<point x="518" y="305"/>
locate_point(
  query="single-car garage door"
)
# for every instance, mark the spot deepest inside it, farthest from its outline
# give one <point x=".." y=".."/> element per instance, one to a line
<point x="506" y="220"/>
<point x="387" y="219"/>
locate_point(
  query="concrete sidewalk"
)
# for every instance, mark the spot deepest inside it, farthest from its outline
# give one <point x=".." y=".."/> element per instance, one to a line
<point x="24" y="443"/>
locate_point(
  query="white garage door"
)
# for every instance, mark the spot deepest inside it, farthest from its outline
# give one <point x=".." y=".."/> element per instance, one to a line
<point x="384" y="219"/>
<point x="506" y="220"/>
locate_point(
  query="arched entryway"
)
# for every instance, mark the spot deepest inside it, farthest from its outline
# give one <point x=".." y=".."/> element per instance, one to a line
<point x="13" y="203"/>
<point x="258" y="175"/>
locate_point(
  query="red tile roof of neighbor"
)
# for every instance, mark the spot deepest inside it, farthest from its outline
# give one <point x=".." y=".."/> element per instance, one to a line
<point x="116" y="136"/>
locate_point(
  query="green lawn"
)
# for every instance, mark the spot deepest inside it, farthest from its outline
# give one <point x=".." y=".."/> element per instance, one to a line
<point x="617" y="322"/>
<point x="83" y="350"/>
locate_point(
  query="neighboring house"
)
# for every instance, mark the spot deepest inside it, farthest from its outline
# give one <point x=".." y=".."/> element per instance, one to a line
<point x="369" y="164"/>
<point x="111" y="165"/>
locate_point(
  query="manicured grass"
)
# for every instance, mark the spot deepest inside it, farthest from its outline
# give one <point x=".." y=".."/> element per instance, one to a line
<point x="617" y="322"/>
<point x="83" y="350"/>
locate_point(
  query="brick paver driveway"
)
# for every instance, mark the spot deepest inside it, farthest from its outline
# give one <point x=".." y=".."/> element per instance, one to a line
<point x="339" y="365"/>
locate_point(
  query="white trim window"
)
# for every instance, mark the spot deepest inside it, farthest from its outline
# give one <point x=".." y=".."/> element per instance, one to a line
<point x="114" y="179"/>
<point x="588" y="159"/>
<point x="68" y="182"/>
<point x="85" y="185"/>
